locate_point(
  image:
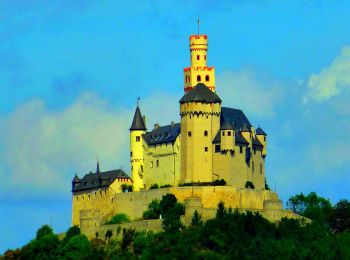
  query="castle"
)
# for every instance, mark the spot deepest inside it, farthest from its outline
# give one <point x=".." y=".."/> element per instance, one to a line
<point x="211" y="145"/>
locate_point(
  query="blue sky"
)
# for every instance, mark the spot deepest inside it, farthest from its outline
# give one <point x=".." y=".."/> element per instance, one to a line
<point x="70" y="73"/>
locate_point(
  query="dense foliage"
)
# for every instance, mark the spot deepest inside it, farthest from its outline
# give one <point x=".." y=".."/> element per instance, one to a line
<point x="118" y="219"/>
<point x="230" y="235"/>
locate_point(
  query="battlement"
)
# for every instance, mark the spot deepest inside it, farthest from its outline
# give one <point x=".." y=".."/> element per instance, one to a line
<point x="199" y="68"/>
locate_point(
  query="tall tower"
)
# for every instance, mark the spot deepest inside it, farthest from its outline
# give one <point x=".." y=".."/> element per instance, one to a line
<point x="200" y="111"/>
<point x="199" y="72"/>
<point x="137" y="129"/>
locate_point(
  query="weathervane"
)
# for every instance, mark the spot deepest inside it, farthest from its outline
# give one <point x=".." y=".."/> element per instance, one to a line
<point x="198" y="24"/>
<point x="138" y="99"/>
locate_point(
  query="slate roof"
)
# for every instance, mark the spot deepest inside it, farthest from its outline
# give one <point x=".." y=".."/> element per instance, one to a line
<point x="200" y="93"/>
<point x="259" y="131"/>
<point x="163" y="134"/>
<point x="257" y="142"/>
<point x="137" y="122"/>
<point x="97" y="180"/>
<point x="238" y="138"/>
<point x="235" y="116"/>
<point x="227" y="126"/>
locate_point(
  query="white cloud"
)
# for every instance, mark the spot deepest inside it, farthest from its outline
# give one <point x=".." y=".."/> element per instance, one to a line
<point x="331" y="81"/>
<point x="245" y="90"/>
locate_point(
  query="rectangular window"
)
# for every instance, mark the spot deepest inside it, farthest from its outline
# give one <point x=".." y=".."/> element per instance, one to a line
<point x="223" y="133"/>
<point x="260" y="168"/>
<point x="197" y="57"/>
<point x="254" y="150"/>
<point x="241" y="149"/>
<point x="229" y="133"/>
<point x="137" y="139"/>
<point x="217" y="148"/>
<point x="252" y="166"/>
<point x="130" y="154"/>
<point x="141" y="168"/>
<point x="157" y="163"/>
<point x="206" y="149"/>
<point x="151" y="164"/>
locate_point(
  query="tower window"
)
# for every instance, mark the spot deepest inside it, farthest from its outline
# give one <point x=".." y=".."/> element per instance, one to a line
<point x="130" y="154"/>
<point x="205" y="57"/>
<point x="151" y="164"/>
<point x="206" y="149"/>
<point x="264" y="138"/>
<point x="207" y="78"/>
<point x="254" y="150"/>
<point x="240" y="149"/>
<point x="223" y="133"/>
<point x="157" y="163"/>
<point x="252" y="166"/>
<point x="198" y="78"/>
<point x="205" y="133"/>
<point x="197" y="57"/>
<point x="260" y="168"/>
<point x="229" y="133"/>
<point x="141" y="168"/>
<point x="137" y="139"/>
<point x="217" y="148"/>
<point x="189" y="133"/>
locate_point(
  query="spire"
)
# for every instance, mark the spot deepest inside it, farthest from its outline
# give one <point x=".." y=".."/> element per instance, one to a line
<point x="98" y="167"/>
<point x="137" y="122"/>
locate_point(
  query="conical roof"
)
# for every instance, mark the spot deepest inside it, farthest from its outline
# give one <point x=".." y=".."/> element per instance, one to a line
<point x="259" y="131"/>
<point x="137" y="122"/>
<point x="76" y="178"/>
<point x="200" y="93"/>
<point x="98" y="167"/>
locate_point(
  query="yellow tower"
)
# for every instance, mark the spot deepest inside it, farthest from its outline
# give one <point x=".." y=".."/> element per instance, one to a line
<point x="261" y="136"/>
<point x="200" y="121"/>
<point x="199" y="72"/>
<point x="137" y="129"/>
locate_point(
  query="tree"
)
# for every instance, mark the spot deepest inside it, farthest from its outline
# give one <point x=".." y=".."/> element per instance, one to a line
<point x="108" y="235"/>
<point x="71" y="232"/>
<point x="127" y="237"/>
<point x="78" y="247"/>
<point x="221" y="211"/>
<point x="167" y="202"/>
<point x="171" y="220"/>
<point x="118" y="219"/>
<point x="311" y="206"/>
<point x="196" y="219"/>
<point x="339" y="218"/>
<point x="44" y="230"/>
<point x="154" y="210"/>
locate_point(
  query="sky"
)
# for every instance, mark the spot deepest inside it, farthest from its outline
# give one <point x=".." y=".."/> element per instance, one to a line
<point x="71" y="72"/>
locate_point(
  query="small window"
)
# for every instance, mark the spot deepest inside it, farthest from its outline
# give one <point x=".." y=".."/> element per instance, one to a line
<point x="254" y="150"/>
<point x="189" y="133"/>
<point x="151" y="164"/>
<point x="205" y="57"/>
<point x="207" y="78"/>
<point x="141" y="168"/>
<point x="130" y="154"/>
<point x="105" y="192"/>
<point x="229" y="133"/>
<point x="241" y="149"/>
<point x="197" y="57"/>
<point x="252" y="166"/>
<point x="157" y="163"/>
<point x="217" y="148"/>
<point x="260" y="168"/>
<point x="205" y="133"/>
<point x="223" y="133"/>
<point x="206" y="149"/>
<point x="264" y="138"/>
<point x="77" y="198"/>
<point x="198" y="78"/>
<point x="88" y="197"/>
<point x="137" y="139"/>
<point x="101" y="194"/>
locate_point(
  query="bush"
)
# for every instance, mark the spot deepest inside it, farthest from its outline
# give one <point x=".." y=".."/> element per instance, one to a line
<point x="44" y="230"/>
<point x="154" y="186"/>
<point x="118" y="219"/>
<point x="166" y="186"/>
<point x="126" y="188"/>
<point x="154" y="210"/>
<point x="249" y="185"/>
<point x="71" y="232"/>
<point x="221" y="182"/>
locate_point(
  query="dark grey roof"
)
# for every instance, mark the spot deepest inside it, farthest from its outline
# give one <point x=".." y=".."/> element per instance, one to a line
<point x="235" y="116"/>
<point x="137" y="122"/>
<point x="245" y="128"/>
<point x="163" y="134"/>
<point x="259" y="131"/>
<point x="238" y="138"/>
<point x="200" y="93"/>
<point x="98" y="180"/>
<point x="227" y="126"/>
<point x="256" y="142"/>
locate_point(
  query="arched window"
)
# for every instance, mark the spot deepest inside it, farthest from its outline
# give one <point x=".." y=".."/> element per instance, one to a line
<point x="205" y="57"/>
<point x="198" y="78"/>
<point x="207" y="78"/>
<point x="205" y="133"/>
<point x="197" y="57"/>
<point x="189" y="133"/>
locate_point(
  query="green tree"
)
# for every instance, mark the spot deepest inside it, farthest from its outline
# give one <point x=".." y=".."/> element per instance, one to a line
<point x="311" y="206"/>
<point x="78" y="247"/>
<point x="196" y="219"/>
<point x="71" y="232"/>
<point x="221" y="211"/>
<point x="118" y="219"/>
<point x="172" y="218"/>
<point x="127" y="237"/>
<point x="154" y="210"/>
<point x="167" y="202"/>
<point x="44" y="230"/>
<point x="108" y="235"/>
<point x="339" y="218"/>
